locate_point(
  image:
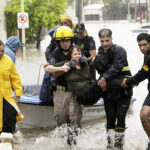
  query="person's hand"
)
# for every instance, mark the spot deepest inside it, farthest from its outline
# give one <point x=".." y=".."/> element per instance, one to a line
<point x="102" y="83"/>
<point x="123" y="84"/>
<point x="65" y="68"/>
<point x="17" y="99"/>
<point x="92" y="61"/>
<point x="19" y="116"/>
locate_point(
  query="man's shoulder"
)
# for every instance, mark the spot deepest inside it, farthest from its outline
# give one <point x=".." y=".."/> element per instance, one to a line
<point x="117" y="47"/>
<point x="148" y="55"/>
<point x="89" y="38"/>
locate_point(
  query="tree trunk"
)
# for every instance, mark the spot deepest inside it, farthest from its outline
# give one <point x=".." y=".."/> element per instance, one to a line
<point x="38" y="38"/>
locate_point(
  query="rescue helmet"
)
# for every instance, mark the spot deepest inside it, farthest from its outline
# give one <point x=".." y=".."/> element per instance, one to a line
<point x="64" y="18"/>
<point x="63" y="32"/>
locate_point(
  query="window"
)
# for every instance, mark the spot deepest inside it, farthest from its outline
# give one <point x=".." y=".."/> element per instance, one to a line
<point x="92" y="17"/>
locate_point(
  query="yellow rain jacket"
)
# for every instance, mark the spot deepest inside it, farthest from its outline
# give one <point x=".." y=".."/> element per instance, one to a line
<point x="9" y="79"/>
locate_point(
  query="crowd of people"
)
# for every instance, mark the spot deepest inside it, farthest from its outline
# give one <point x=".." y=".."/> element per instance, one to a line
<point x="71" y="67"/>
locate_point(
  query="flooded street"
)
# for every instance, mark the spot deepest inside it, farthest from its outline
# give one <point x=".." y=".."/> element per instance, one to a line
<point x="93" y="134"/>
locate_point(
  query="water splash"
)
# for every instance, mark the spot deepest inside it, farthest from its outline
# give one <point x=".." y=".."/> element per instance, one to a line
<point x="18" y="137"/>
<point x="90" y="138"/>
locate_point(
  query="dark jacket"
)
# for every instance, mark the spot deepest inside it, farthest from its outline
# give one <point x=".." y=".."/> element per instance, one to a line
<point x="113" y="66"/>
<point x="53" y="43"/>
<point x="142" y="74"/>
<point x="56" y="57"/>
<point x="52" y="46"/>
<point x="49" y="80"/>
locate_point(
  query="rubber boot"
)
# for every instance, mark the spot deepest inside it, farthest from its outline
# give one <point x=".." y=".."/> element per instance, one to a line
<point x="110" y="138"/>
<point x="119" y="140"/>
<point x="71" y="139"/>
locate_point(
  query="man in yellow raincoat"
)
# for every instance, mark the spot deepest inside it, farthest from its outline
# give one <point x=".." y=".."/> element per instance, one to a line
<point x="9" y="79"/>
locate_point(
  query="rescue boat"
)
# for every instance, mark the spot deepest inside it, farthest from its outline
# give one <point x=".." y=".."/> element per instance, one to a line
<point x="39" y="114"/>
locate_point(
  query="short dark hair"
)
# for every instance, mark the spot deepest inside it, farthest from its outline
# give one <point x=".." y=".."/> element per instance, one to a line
<point x="1" y="43"/>
<point x="71" y="50"/>
<point x="105" y="33"/>
<point x="143" y="36"/>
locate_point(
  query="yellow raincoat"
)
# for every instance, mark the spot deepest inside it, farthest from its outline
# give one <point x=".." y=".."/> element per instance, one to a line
<point x="9" y="79"/>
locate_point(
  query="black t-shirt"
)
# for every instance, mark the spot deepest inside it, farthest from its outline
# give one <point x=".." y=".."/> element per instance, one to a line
<point x="86" y="44"/>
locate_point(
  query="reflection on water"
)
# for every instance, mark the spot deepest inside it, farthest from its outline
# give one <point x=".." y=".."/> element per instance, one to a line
<point x="93" y="134"/>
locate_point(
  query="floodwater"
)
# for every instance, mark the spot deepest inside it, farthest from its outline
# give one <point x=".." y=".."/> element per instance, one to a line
<point x="93" y="134"/>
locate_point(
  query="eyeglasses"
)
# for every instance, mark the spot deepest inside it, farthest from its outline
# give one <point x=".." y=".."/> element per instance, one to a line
<point x="2" y="51"/>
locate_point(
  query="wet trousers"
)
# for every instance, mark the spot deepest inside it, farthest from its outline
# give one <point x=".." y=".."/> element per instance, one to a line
<point x="93" y="72"/>
<point x="9" y="117"/>
<point x="116" y="110"/>
<point x="147" y="100"/>
<point x="66" y="108"/>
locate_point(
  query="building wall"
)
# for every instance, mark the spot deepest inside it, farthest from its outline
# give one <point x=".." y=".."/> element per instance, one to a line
<point x="93" y="13"/>
<point x="95" y="1"/>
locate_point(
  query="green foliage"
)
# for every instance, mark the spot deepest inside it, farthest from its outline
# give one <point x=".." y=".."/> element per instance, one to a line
<point x="41" y="13"/>
<point x="115" y="9"/>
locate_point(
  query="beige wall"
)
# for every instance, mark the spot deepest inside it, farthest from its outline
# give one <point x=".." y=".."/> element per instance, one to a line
<point x="3" y="35"/>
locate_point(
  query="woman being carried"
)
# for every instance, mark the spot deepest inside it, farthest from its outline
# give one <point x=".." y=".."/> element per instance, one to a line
<point x="77" y="77"/>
